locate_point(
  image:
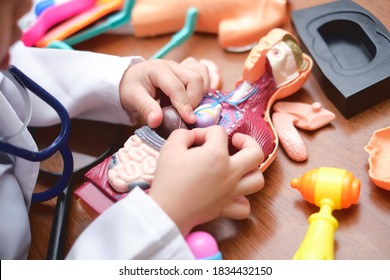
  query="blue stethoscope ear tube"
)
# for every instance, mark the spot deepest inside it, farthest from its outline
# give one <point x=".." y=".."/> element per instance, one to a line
<point x="59" y="144"/>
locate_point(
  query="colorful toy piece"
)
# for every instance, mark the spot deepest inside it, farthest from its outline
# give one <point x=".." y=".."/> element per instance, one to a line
<point x="379" y="160"/>
<point x="115" y="20"/>
<point x="43" y="5"/>
<point x="274" y="69"/>
<point x="52" y="16"/>
<point x="328" y="188"/>
<point x="69" y="27"/>
<point x="239" y="24"/>
<point x="288" y="115"/>
<point x="203" y="246"/>
<point x="182" y="35"/>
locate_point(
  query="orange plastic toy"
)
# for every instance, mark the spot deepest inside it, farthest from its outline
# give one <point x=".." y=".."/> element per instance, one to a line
<point x="379" y="160"/>
<point x="75" y="24"/>
<point x="328" y="188"/>
<point x="255" y="67"/>
<point x="239" y="24"/>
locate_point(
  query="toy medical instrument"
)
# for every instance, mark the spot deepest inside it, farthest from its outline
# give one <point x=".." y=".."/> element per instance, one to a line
<point x="113" y="21"/>
<point x="182" y="35"/>
<point x="379" y="158"/>
<point x="52" y="16"/>
<point x="289" y="115"/>
<point x="59" y="144"/>
<point x="328" y="188"/>
<point x="100" y="9"/>
<point x="203" y="246"/>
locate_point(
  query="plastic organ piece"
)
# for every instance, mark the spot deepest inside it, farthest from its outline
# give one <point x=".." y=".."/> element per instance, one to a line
<point x="246" y="109"/>
<point x="288" y="115"/>
<point x="379" y="158"/>
<point x="135" y="163"/>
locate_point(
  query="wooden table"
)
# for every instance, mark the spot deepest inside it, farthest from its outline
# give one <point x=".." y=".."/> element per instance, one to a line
<point x="278" y="221"/>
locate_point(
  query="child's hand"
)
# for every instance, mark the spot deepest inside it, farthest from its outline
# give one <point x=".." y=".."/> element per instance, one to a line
<point x="185" y="84"/>
<point x="197" y="181"/>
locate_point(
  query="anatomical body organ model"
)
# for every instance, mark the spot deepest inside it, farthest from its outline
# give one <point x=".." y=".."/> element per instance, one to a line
<point x="274" y="69"/>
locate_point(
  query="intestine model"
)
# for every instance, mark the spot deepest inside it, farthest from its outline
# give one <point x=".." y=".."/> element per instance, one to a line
<point x="274" y="69"/>
<point x="134" y="164"/>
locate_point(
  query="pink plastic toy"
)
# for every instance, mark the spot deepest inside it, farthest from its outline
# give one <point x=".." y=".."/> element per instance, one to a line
<point x="203" y="246"/>
<point x="288" y="115"/>
<point x="93" y="14"/>
<point x="52" y="16"/>
<point x="379" y="160"/>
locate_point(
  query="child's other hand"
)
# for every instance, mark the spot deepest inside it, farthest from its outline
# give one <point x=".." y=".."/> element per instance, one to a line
<point x="185" y="84"/>
<point x="196" y="180"/>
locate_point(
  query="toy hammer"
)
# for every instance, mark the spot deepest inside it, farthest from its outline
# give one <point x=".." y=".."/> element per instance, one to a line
<point x="329" y="188"/>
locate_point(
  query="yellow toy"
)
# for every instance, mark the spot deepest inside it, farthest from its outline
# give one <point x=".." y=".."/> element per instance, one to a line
<point x="329" y="188"/>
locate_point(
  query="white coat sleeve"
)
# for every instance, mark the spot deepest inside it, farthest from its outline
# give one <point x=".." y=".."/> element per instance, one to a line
<point x="86" y="83"/>
<point x="133" y="228"/>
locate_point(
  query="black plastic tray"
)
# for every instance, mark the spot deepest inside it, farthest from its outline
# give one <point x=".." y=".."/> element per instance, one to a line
<point x="351" y="50"/>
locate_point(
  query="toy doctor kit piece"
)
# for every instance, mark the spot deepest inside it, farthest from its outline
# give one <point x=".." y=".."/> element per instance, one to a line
<point x="203" y="246"/>
<point x="379" y="160"/>
<point x="239" y="24"/>
<point x="328" y="188"/>
<point x="60" y="144"/>
<point x="289" y="115"/>
<point x="274" y="69"/>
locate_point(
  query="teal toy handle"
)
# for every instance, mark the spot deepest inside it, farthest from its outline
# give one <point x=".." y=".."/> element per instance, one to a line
<point x="181" y="36"/>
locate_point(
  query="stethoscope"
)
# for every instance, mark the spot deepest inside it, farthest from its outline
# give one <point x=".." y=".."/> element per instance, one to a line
<point x="59" y="144"/>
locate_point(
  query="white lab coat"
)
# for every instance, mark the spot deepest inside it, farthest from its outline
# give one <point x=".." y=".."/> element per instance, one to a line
<point x="87" y="85"/>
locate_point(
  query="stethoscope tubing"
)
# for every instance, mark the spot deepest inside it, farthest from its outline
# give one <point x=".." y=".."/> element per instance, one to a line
<point x="59" y="144"/>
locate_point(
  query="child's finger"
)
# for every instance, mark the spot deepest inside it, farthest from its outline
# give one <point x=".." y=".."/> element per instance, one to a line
<point x="179" y="139"/>
<point x="250" y="183"/>
<point x="199" y="67"/>
<point x="250" y="154"/>
<point x="239" y="209"/>
<point x="146" y="106"/>
<point x="214" y="137"/>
